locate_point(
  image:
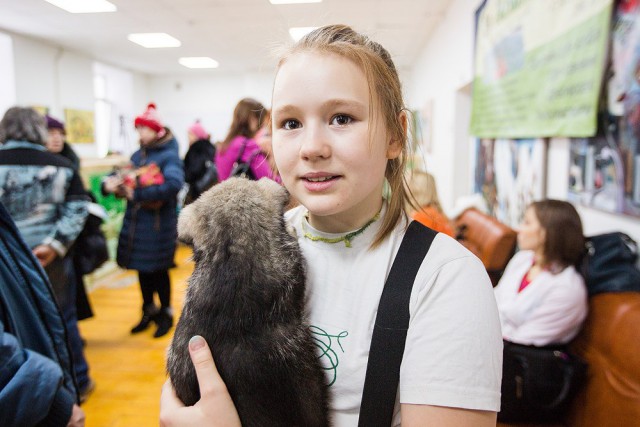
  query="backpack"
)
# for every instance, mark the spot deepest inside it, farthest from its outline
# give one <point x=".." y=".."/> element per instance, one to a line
<point x="609" y="264"/>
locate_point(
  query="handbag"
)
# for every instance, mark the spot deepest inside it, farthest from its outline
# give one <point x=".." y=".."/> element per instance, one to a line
<point x="208" y="179"/>
<point x="243" y="169"/>
<point x="390" y="329"/>
<point x="609" y="264"/>
<point x="91" y="250"/>
<point x="538" y="383"/>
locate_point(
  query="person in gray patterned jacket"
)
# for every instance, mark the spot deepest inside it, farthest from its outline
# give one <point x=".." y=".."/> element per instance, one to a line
<point x="45" y="197"/>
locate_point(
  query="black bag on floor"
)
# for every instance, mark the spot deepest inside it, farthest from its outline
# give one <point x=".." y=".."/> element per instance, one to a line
<point x="609" y="264"/>
<point x="538" y="383"/>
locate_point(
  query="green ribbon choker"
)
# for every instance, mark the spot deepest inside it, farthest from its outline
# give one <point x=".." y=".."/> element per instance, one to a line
<point x="347" y="238"/>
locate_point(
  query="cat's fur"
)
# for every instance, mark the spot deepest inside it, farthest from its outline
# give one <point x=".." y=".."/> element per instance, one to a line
<point x="246" y="298"/>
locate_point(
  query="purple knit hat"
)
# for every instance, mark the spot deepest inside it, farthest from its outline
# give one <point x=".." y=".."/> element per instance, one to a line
<point x="54" y="124"/>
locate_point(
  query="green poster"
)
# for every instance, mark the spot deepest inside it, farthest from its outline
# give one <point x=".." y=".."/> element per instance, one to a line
<point x="538" y="67"/>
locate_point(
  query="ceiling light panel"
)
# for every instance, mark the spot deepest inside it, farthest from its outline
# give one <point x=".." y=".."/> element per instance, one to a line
<point x="154" y="40"/>
<point x="84" y="6"/>
<point x="198" y="62"/>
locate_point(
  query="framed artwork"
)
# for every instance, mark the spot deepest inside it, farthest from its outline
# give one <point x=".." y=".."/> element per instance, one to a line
<point x="41" y="109"/>
<point x="79" y="125"/>
<point x="510" y="174"/>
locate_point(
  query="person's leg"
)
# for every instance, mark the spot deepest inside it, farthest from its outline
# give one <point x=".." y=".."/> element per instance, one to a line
<point x="67" y="304"/>
<point x="165" y="316"/>
<point x="149" y="309"/>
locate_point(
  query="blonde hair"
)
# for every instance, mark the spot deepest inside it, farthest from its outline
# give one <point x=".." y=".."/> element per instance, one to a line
<point x="424" y="191"/>
<point x="385" y="92"/>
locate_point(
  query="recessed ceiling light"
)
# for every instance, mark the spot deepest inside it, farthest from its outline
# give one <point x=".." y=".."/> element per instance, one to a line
<point x="154" y="40"/>
<point x="299" y="32"/>
<point x="198" y="62"/>
<point x="294" y="1"/>
<point x="84" y="6"/>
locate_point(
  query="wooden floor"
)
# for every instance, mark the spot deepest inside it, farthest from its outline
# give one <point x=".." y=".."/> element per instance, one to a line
<point x="129" y="370"/>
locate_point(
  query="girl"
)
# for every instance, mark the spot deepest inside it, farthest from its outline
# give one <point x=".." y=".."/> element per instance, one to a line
<point x="339" y="132"/>
<point x="201" y="151"/>
<point x="541" y="297"/>
<point x="147" y="240"/>
<point x="240" y="144"/>
<point x="423" y="188"/>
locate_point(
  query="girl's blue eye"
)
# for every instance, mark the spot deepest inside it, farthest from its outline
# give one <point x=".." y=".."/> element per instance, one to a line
<point x="290" y="124"/>
<point x="341" y="119"/>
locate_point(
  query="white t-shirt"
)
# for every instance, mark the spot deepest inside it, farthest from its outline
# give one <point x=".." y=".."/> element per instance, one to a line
<point x="453" y="353"/>
<point x="550" y="310"/>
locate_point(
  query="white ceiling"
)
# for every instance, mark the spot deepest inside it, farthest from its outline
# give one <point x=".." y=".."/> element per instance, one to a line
<point x="239" y="34"/>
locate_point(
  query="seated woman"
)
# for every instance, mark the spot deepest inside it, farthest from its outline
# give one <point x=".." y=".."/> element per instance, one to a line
<point x="541" y="297"/>
<point x="430" y="214"/>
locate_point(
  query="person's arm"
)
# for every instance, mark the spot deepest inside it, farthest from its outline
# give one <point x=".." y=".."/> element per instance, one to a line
<point x="215" y="407"/>
<point x="73" y="214"/>
<point x="173" y="181"/>
<point x="426" y="415"/>
<point x="31" y="387"/>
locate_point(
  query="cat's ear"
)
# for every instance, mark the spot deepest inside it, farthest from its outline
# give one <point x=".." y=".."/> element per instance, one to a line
<point x="187" y="224"/>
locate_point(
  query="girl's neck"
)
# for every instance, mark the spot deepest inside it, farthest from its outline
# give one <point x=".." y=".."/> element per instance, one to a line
<point x="345" y="221"/>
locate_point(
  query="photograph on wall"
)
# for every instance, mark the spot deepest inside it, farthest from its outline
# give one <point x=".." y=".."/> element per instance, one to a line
<point x="538" y="67"/>
<point x="510" y="174"/>
<point x="79" y="125"/>
<point x="605" y="170"/>
<point x="599" y="177"/>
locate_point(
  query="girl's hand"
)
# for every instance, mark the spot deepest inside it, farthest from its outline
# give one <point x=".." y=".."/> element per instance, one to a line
<point x="111" y="184"/>
<point x="215" y="407"/>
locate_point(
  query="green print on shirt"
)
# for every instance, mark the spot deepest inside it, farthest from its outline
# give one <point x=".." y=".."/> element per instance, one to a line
<point x="324" y="341"/>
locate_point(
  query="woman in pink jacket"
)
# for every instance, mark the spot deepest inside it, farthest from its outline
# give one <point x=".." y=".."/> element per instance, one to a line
<point x="240" y="144"/>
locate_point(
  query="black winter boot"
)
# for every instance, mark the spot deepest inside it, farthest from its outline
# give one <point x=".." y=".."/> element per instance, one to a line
<point x="149" y="313"/>
<point x="164" y="319"/>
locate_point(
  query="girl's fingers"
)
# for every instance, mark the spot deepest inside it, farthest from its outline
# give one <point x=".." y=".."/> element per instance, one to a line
<point x="209" y="379"/>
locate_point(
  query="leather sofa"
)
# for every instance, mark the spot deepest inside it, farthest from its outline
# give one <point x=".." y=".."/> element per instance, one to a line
<point x="609" y="340"/>
<point x="489" y="239"/>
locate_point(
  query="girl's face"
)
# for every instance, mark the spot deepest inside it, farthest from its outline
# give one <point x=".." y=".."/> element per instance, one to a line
<point x="330" y="152"/>
<point x="531" y="235"/>
<point x="147" y="135"/>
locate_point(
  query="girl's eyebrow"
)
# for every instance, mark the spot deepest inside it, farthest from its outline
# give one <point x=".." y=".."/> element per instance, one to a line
<point x="331" y="103"/>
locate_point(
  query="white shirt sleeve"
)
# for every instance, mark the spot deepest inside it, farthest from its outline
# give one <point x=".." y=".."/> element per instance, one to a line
<point x="453" y="354"/>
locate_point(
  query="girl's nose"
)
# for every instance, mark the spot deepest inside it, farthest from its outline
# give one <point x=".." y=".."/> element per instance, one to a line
<point x="315" y="143"/>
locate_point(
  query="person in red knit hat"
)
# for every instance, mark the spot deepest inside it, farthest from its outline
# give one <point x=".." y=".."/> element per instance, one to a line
<point x="147" y="240"/>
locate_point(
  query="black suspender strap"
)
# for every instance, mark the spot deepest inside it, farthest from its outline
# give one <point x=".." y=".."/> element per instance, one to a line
<point x="390" y="329"/>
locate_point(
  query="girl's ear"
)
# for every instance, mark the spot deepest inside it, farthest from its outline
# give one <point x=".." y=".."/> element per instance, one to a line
<point x="395" y="146"/>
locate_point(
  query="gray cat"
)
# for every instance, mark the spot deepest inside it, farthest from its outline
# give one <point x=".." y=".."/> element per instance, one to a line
<point x="246" y="298"/>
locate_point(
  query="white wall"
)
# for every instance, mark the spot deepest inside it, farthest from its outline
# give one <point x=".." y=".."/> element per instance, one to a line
<point x="7" y="76"/>
<point x="210" y="99"/>
<point x="52" y="77"/>
<point x="442" y="73"/>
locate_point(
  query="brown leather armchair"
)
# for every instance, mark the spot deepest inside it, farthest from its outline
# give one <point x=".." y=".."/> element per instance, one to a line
<point x="488" y="239"/>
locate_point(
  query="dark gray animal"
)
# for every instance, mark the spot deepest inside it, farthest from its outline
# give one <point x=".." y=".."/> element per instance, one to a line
<point x="246" y="298"/>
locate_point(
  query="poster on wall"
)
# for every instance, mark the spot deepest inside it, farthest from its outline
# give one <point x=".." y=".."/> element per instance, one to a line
<point x="510" y="174"/>
<point x="79" y="125"/>
<point x="604" y="171"/>
<point x="41" y="109"/>
<point x="538" y="67"/>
